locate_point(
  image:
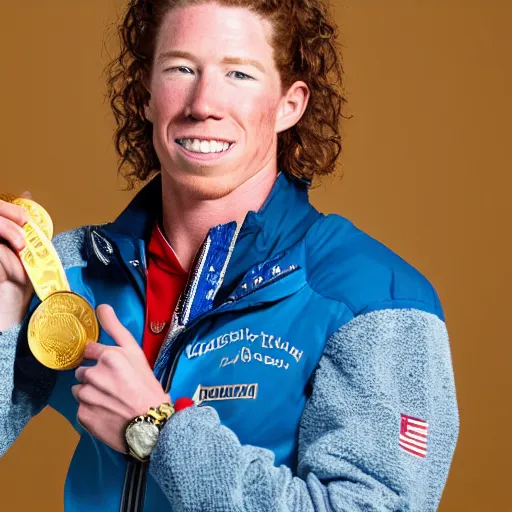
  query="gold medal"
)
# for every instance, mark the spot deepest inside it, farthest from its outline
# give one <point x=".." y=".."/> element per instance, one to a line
<point x="42" y="263"/>
<point x="64" y="322"/>
<point x="60" y="328"/>
<point x="38" y="214"/>
<point x="35" y="210"/>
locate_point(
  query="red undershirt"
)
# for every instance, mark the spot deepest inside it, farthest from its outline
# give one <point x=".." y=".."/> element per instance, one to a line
<point x="166" y="280"/>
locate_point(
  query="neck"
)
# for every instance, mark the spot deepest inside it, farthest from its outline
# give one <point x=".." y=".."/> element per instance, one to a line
<point x="187" y="220"/>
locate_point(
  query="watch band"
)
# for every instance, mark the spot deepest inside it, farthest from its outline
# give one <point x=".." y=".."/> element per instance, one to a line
<point x="161" y="414"/>
<point x="157" y="417"/>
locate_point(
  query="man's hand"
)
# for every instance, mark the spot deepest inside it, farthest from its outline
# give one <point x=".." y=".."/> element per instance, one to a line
<point x="15" y="287"/>
<point x="118" y="388"/>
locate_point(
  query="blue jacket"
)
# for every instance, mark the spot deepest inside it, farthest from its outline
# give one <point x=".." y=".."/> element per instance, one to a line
<point x="306" y="344"/>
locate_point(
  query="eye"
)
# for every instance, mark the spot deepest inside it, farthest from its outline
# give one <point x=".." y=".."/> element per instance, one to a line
<point x="180" y="69"/>
<point x="241" y="76"/>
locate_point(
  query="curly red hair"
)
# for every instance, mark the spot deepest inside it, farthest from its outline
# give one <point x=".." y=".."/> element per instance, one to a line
<point x="304" y="40"/>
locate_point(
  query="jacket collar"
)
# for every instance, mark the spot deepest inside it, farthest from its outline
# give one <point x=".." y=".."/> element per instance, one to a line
<point x="233" y="263"/>
<point x="285" y="215"/>
<point x="281" y="222"/>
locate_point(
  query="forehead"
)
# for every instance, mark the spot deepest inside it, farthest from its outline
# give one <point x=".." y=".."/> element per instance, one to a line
<point x="215" y="29"/>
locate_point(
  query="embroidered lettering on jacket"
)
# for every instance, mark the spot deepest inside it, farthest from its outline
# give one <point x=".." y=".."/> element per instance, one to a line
<point x="225" y="392"/>
<point x="246" y="356"/>
<point x="263" y="340"/>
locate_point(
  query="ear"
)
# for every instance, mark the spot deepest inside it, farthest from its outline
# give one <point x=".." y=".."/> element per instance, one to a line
<point x="148" y="111"/>
<point x="148" y="107"/>
<point x="292" y="107"/>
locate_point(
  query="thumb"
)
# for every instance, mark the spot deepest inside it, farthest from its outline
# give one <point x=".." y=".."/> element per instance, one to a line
<point x="27" y="194"/>
<point x="114" y="328"/>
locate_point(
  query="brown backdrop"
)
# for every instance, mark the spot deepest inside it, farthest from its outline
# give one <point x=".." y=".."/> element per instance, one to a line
<point x="427" y="171"/>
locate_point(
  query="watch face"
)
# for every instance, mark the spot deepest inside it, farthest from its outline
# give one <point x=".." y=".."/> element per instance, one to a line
<point x="142" y="437"/>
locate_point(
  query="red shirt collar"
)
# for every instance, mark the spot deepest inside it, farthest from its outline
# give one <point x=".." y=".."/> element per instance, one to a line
<point x="162" y="254"/>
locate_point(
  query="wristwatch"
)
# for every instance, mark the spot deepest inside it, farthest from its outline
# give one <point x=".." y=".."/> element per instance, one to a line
<point x="142" y="433"/>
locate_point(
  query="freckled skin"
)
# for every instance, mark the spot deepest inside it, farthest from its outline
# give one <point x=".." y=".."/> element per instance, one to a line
<point x="201" y="95"/>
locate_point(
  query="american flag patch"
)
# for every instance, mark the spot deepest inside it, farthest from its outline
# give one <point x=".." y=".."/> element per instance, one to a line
<point x="413" y="436"/>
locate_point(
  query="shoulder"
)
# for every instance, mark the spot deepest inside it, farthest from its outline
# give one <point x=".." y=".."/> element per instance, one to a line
<point x="70" y="246"/>
<point x="346" y="264"/>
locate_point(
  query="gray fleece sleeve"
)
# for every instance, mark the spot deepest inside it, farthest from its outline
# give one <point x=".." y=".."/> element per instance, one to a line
<point x="25" y="385"/>
<point x="380" y="366"/>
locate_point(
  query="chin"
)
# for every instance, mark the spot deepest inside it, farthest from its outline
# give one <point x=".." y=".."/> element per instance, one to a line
<point x="205" y="188"/>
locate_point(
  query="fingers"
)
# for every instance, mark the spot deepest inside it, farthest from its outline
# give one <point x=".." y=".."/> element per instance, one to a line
<point x="13" y="212"/>
<point x="80" y="373"/>
<point x="12" y="234"/>
<point x="10" y="225"/>
<point x="11" y="268"/>
<point x="92" y="376"/>
<point x="94" y="351"/>
<point x="114" y="328"/>
<point x="93" y="396"/>
<point x="12" y="241"/>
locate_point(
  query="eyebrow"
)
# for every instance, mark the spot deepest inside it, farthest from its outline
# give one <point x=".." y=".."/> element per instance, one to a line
<point x="226" y="60"/>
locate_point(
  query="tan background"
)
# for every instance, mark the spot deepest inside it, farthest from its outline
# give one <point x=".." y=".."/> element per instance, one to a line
<point x="427" y="171"/>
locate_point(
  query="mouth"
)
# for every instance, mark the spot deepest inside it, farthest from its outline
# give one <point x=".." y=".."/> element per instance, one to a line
<point x="204" y="150"/>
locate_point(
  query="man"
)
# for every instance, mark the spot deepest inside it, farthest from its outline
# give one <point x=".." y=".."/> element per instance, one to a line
<point x="318" y="361"/>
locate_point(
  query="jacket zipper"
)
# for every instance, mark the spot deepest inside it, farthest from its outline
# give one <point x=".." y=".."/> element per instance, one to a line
<point x="136" y="473"/>
<point x="183" y="302"/>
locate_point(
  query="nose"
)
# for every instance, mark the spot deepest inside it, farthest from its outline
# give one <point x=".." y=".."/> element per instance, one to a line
<point x="205" y="99"/>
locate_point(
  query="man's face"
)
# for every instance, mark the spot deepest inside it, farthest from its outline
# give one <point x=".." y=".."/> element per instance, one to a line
<point x="203" y="88"/>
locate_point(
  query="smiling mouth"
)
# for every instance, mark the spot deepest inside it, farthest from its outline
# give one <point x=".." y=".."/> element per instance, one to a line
<point x="205" y="146"/>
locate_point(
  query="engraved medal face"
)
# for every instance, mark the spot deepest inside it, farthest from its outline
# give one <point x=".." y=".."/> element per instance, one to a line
<point x="157" y="327"/>
<point x="60" y="328"/>
<point x="39" y="215"/>
<point x="42" y="263"/>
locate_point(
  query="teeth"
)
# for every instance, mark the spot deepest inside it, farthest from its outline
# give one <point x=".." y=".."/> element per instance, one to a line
<point x="204" y="146"/>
